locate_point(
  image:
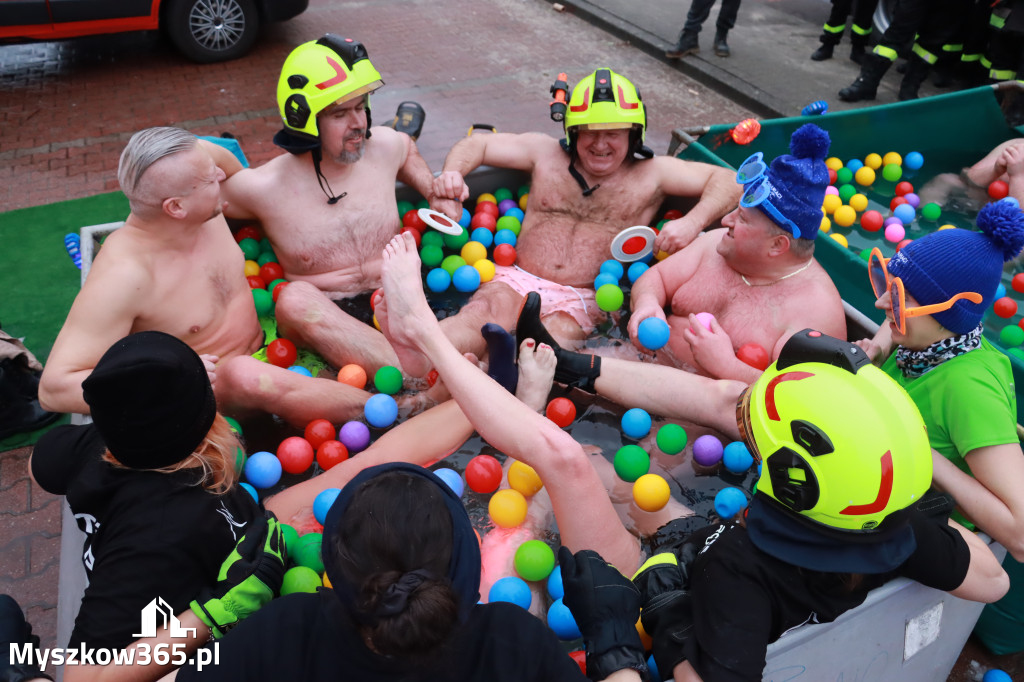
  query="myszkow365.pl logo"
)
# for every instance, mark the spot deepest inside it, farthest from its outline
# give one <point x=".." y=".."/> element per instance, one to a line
<point x="156" y="616"/>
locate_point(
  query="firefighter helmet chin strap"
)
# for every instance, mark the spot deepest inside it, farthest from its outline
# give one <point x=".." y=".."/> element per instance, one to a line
<point x="322" y="180"/>
<point x="587" y="189"/>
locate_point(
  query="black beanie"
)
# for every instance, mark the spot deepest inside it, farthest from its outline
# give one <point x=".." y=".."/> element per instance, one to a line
<point x="151" y="400"/>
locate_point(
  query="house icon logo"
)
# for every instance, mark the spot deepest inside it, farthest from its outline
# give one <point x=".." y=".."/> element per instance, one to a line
<point x="158" y="614"/>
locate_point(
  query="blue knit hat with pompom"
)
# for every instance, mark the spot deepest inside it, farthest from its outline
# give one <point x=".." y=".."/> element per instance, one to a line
<point x="940" y="265"/>
<point x="799" y="180"/>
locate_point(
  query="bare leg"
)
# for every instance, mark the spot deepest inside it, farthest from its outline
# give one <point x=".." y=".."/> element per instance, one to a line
<point x="536" y="373"/>
<point x="494" y="302"/>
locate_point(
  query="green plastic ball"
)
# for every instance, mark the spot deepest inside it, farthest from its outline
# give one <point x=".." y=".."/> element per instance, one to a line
<point x="272" y="285"/>
<point x="523" y="189"/>
<point x="267" y="257"/>
<point x="847" y="191"/>
<point x="660" y="224"/>
<point x="501" y="194"/>
<point x="452" y="263"/>
<point x="422" y="203"/>
<point x="404" y="207"/>
<point x="631" y="462"/>
<point x="250" y="247"/>
<point x="844" y="176"/>
<point x="235" y="426"/>
<point x="1016" y="353"/>
<point x="931" y="211"/>
<point x="892" y="172"/>
<point x="609" y="298"/>
<point x="671" y="439"/>
<point x="865" y="254"/>
<point x="266" y="246"/>
<point x="264" y="302"/>
<point x="1011" y="335"/>
<point x="431" y="255"/>
<point x="291" y="539"/>
<point x="388" y="379"/>
<point x="432" y="238"/>
<point x="300" y="579"/>
<point x="239" y="459"/>
<point x="534" y="560"/>
<point x="509" y="222"/>
<point x="307" y="552"/>
<point x="456" y="241"/>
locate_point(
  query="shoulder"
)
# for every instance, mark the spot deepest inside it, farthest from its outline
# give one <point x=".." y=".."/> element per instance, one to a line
<point x="61" y="453"/>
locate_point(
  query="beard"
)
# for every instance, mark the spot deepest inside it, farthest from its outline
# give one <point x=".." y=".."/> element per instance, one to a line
<point x="349" y="157"/>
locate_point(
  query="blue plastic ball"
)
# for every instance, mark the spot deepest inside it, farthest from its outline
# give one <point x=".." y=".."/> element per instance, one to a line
<point x="614" y="267"/>
<point x="299" y="369"/>
<point x="381" y="410"/>
<point x="1012" y="201"/>
<point x="652" y="667"/>
<point x="636" y="423"/>
<point x="653" y="333"/>
<point x="604" y="278"/>
<point x="737" y="457"/>
<point x="511" y="589"/>
<point x="906" y="213"/>
<point x="729" y="502"/>
<point x="322" y="504"/>
<point x="452" y="479"/>
<point x="560" y="620"/>
<point x="516" y="213"/>
<point x="854" y="165"/>
<point x="252" y="491"/>
<point x="913" y="160"/>
<point x="505" y="237"/>
<point x="438" y="280"/>
<point x="482" y="235"/>
<point x="1000" y="291"/>
<point x="636" y="269"/>
<point x="996" y="675"/>
<point x="466" y="218"/>
<point x="466" y="279"/>
<point x="263" y="469"/>
<point x="555" y="588"/>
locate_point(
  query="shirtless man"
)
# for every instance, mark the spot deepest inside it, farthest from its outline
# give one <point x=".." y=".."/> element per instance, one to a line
<point x="581" y="198"/>
<point x="174" y="267"/>
<point x="757" y="277"/>
<point x="329" y="207"/>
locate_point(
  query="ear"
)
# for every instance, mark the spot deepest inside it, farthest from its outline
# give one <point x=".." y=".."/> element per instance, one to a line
<point x="779" y="245"/>
<point x="173" y="207"/>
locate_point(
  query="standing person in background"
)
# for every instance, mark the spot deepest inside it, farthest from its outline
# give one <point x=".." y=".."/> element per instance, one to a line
<point x="699" y="12"/>
<point x="860" y="29"/>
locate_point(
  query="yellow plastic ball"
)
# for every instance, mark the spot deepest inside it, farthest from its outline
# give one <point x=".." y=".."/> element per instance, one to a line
<point x="522" y="201"/>
<point x="523" y="478"/>
<point x="327" y="581"/>
<point x="858" y="202"/>
<point x="485" y="268"/>
<point x="948" y="227"/>
<point x="826" y="225"/>
<point x="472" y="252"/>
<point x="645" y="638"/>
<point x="375" y="322"/>
<point x="845" y="216"/>
<point x="873" y="161"/>
<point x="661" y="255"/>
<point x="841" y="239"/>
<point x="834" y="163"/>
<point x="486" y="196"/>
<point x="892" y="158"/>
<point x="831" y="203"/>
<point x="507" y="508"/>
<point x="651" y="492"/>
<point x="864" y="176"/>
<point x="251" y="268"/>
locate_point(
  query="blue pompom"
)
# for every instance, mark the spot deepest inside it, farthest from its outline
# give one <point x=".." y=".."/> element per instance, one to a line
<point x="1004" y="225"/>
<point x="809" y="142"/>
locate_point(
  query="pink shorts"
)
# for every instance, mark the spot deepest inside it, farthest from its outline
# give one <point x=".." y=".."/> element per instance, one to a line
<point x="555" y="298"/>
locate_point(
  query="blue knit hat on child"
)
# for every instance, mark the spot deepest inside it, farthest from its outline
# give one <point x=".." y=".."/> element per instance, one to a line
<point x="798" y="181"/>
<point x="942" y="264"/>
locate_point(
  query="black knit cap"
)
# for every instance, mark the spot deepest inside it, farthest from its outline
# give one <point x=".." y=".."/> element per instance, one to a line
<point x="151" y="400"/>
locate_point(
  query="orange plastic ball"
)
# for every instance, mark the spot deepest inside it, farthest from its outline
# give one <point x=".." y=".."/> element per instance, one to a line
<point x="507" y="508"/>
<point x="353" y="375"/>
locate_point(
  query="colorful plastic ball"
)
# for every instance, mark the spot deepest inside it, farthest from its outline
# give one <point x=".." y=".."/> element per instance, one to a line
<point x="251" y="248"/>
<point x="873" y="161"/>
<point x="834" y="163"/>
<point x="252" y="491"/>
<point x="504" y="254"/>
<point x="524" y="478"/>
<point x="996" y="675"/>
<point x="388" y="379"/>
<point x="556" y="590"/>
<point x="897" y="201"/>
<point x="247" y="232"/>
<point x="322" y="503"/>
<point x="485" y="197"/>
<point x="432" y="255"/>
<point x="1011" y="335"/>
<point x="505" y="204"/>
<point x="433" y="238"/>
<point x="931" y="211"/>
<point x="483" y="474"/>
<point x="895" y="232"/>
<point x="466" y="279"/>
<point x="825" y="225"/>
<point x="296" y="454"/>
<point x="485" y="268"/>
<point x="264" y="302"/>
<point x="281" y="353"/>
<point x="263" y="469"/>
<point x="906" y="213"/>
<point x="411" y="218"/>
<point x="912" y="199"/>
<point x="485" y="220"/>
<point x="561" y="411"/>
<point x="858" y="202"/>
<point x="438" y="280"/>
<point x="636" y="423"/>
<point x="604" y="278"/>
<point x="671" y="439"/>
<point x="737" y="458"/>
<point x="841" y="239"/>
<point x="534" y="560"/>
<point x="892" y="159"/>
<point x="480" y="235"/>
<point x="562" y="623"/>
<point x="452" y="479"/>
<point x="754" y="355"/>
<point x="832" y="189"/>
<point x="1016" y="353"/>
<point x="490" y="207"/>
<point x="505" y="237"/>
<point x="510" y="223"/>
<point x="892" y="172"/>
<point x="904" y="188"/>
<point x="275" y="288"/>
<point x="353" y="375"/>
<point x="511" y="589"/>
<point x="609" y="298"/>
<point x="707" y="450"/>
<point x="998" y="189"/>
<point x="318" y="431"/>
<point x="729" y="502"/>
<point x="381" y="410"/>
<point x="705" y="319"/>
<point x="1001" y="290"/>
<point x="524" y="200"/>
<point x="631" y="462"/>
<point x="913" y="160"/>
<point x="653" y="333"/>
<point x="331" y="453"/>
<point x="1011" y="201"/>
<point x="507" y="508"/>
<point x="893" y="220"/>
<point x="299" y="369"/>
<point x="871" y="221"/>
<point x="865" y="176"/>
<point x="636" y="270"/>
<point x="354" y="435"/>
<point x="307" y="550"/>
<point x="855" y="165"/>
<point x="844" y="176"/>
<point x="902" y="243"/>
<point x="613" y="267"/>
<point x="651" y="492"/>
<point x="452" y="263"/>
<point x="298" y="579"/>
<point x="236" y="428"/>
<point x="831" y="203"/>
<point x="845" y="216"/>
<point x="473" y="251"/>
<point x="1005" y="307"/>
<point x="1018" y="282"/>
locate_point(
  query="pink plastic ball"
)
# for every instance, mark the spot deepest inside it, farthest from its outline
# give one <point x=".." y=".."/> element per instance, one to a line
<point x="705" y="319"/>
<point x="895" y="233"/>
<point x="831" y="189"/>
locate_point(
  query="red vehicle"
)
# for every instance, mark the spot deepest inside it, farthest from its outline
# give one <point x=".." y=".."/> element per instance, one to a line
<point x="203" y="30"/>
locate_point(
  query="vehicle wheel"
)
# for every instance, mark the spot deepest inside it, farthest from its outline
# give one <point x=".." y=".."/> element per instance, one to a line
<point x="883" y="16"/>
<point x="212" y="30"/>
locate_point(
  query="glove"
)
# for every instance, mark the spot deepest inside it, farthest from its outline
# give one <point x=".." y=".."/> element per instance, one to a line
<point x="248" y="578"/>
<point x="605" y="605"/>
<point x="667" y="614"/>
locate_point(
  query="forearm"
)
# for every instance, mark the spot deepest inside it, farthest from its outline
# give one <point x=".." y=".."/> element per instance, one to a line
<point x="224" y="159"/>
<point x="986" y="581"/>
<point x="415" y="172"/>
<point x="61" y="391"/>
<point x="721" y="194"/>
<point x="466" y="155"/>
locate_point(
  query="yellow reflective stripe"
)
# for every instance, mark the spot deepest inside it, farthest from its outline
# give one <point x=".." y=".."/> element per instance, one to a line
<point x="665" y="558"/>
<point x="861" y="31"/>
<point x="924" y="54"/>
<point x="887" y="52"/>
<point x="986" y="62"/>
<point x="1002" y="74"/>
<point x="970" y="57"/>
<point x="954" y="47"/>
<point x="996" y="21"/>
<point x="834" y="29"/>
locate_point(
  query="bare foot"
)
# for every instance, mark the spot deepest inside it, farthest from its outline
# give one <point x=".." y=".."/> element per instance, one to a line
<point x="536" y="372"/>
<point x="404" y="302"/>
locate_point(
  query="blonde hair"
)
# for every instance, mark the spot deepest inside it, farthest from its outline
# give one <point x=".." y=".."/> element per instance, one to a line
<point x="216" y="455"/>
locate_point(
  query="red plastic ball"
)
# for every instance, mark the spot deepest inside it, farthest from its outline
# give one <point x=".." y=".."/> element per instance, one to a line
<point x="581" y="660"/>
<point x="1018" y="282"/>
<point x="998" y="190"/>
<point x="432" y="377"/>
<point x="375" y="297"/>
<point x="282" y="352"/>
<point x="296" y="454"/>
<point x="754" y="355"/>
<point x="413" y="219"/>
<point x="896" y="201"/>
<point x="256" y="282"/>
<point x="416" y="235"/>
<point x="672" y="214"/>
<point x="504" y="254"/>
<point x="483" y="474"/>
<point x="248" y="232"/>
<point x="488" y="207"/>
<point x="1005" y="307"/>
<point x="904" y="188"/>
<point x="271" y="271"/>
<point x="872" y="221"/>
<point x="330" y="453"/>
<point x="832" y="176"/>
<point x="903" y="243"/>
<point x="277" y="290"/>
<point x="483" y="220"/>
<point x="561" y="411"/>
<point x="318" y="431"/>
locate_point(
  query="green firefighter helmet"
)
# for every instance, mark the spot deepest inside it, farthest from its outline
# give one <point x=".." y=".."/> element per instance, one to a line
<point x="604" y="100"/>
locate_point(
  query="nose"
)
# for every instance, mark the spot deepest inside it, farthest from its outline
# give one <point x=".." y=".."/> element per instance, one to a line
<point x="882" y="302"/>
<point x="221" y="175"/>
<point x="729" y="220"/>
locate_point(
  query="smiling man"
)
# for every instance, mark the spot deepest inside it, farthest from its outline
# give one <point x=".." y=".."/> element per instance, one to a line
<point x="585" y="189"/>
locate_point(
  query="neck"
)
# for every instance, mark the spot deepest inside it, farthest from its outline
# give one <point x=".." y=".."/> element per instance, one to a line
<point x="768" y="276"/>
<point x="168" y="232"/>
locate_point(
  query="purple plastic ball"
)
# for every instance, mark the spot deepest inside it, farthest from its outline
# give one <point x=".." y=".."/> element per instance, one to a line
<point x="892" y="220"/>
<point x="354" y="435"/>
<point x="505" y="204"/>
<point x="912" y="199"/>
<point x="707" y="450"/>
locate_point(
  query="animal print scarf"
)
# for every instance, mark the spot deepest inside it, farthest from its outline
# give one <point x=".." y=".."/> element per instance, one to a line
<point x="915" y="363"/>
